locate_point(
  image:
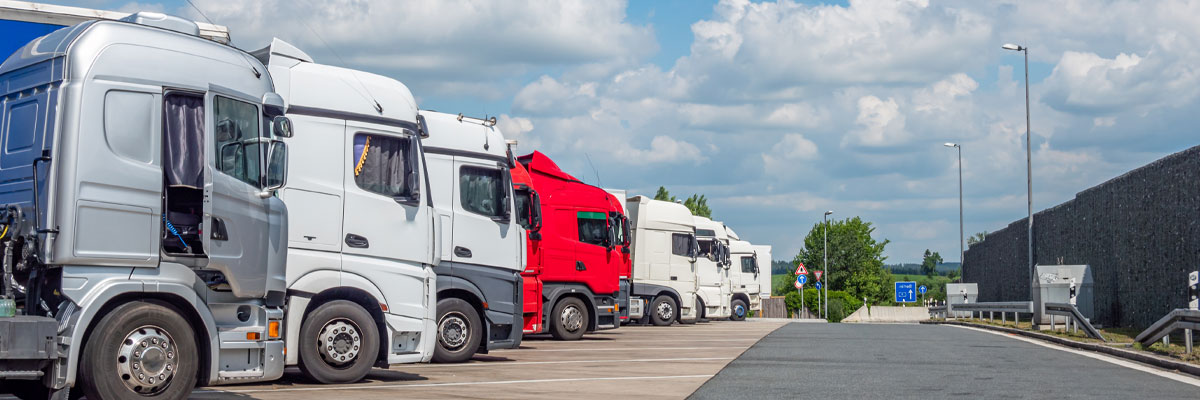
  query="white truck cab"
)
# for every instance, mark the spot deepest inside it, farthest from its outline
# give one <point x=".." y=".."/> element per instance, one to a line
<point x="763" y="253"/>
<point x="743" y="277"/>
<point x="665" y="256"/>
<point x="712" y="270"/>
<point x="479" y="304"/>
<point x="361" y="244"/>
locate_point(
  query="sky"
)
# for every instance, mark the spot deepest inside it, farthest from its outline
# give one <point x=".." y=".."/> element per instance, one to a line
<point x="780" y="110"/>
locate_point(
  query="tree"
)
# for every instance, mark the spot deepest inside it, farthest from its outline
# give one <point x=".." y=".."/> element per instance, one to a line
<point x="855" y="259"/>
<point x="664" y="195"/>
<point x="976" y="238"/>
<point x="953" y="275"/>
<point x="930" y="262"/>
<point x="698" y="205"/>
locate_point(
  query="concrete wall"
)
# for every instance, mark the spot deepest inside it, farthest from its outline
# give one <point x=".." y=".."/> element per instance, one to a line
<point x="1140" y="232"/>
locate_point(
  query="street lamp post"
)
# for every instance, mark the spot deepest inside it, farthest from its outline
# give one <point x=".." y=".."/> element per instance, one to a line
<point x="962" y="254"/>
<point x="825" y="279"/>
<point x="1028" y="162"/>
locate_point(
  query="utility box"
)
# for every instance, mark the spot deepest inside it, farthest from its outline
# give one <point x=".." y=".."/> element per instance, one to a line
<point x="961" y="293"/>
<point x="1054" y="285"/>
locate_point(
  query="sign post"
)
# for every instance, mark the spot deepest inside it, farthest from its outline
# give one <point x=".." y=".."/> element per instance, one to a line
<point x="800" y="281"/>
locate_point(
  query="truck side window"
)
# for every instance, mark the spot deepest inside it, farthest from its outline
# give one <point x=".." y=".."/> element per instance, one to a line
<point x="681" y="244"/>
<point x="748" y="265"/>
<point x="593" y="227"/>
<point x="239" y="154"/>
<point x="385" y="165"/>
<point x="482" y="191"/>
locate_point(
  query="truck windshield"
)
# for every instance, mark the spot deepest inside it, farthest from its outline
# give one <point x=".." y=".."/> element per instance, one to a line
<point x="522" y="200"/>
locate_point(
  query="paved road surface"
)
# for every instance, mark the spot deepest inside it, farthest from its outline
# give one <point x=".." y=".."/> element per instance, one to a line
<point x="851" y="361"/>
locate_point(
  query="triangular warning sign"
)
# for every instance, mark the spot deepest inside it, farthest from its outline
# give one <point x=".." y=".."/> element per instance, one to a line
<point x="800" y="270"/>
<point x="819" y="274"/>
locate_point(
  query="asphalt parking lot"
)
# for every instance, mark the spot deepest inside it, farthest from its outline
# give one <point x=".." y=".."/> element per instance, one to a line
<point x="633" y="361"/>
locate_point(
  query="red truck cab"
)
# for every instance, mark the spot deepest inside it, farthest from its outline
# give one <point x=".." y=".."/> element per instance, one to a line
<point x="577" y="252"/>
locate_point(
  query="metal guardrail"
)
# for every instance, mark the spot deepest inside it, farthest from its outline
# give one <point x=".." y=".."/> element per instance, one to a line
<point x="1178" y="319"/>
<point x="1002" y="307"/>
<point x="1071" y="312"/>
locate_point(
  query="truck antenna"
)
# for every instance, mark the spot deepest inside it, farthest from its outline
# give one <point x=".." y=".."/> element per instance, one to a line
<point x="210" y="21"/>
<point x="589" y="160"/>
<point x="371" y="97"/>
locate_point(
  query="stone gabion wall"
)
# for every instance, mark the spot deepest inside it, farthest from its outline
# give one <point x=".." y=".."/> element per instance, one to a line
<point x="1139" y="232"/>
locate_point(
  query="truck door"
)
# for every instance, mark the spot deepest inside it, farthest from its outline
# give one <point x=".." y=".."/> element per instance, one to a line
<point x="386" y="228"/>
<point x="594" y="262"/>
<point x="236" y="217"/>
<point x="484" y="228"/>
<point x="557" y="246"/>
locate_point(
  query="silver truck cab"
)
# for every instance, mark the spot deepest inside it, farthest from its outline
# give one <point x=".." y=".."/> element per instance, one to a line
<point x="141" y="235"/>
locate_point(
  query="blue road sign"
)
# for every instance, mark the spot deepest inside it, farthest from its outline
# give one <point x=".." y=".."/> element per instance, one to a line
<point x="818" y="285"/>
<point x="802" y="279"/>
<point x="906" y="292"/>
<point x="922" y="289"/>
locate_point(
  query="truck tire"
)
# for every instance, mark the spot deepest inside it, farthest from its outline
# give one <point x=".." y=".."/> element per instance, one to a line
<point x="739" y="310"/>
<point x="699" y="314"/>
<point x="339" y="342"/>
<point x="139" y="350"/>
<point x="702" y="312"/>
<point x="459" y="331"/>
<point x="569" y="320"/>
<point x="663" y="311"/>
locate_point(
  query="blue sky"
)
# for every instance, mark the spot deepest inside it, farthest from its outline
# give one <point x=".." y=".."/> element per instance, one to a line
<point x="778" y="111"/>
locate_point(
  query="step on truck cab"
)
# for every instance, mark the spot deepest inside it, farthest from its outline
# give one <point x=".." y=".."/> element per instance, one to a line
<point x="362" y="246"/>
<point x="743" y="277"/>
<point x="763" y="254"/>
<point x="665" y="256"/>
<point x="143" y="245"/>
<point x="577" y="255"/>
<point x="479" y="278"/>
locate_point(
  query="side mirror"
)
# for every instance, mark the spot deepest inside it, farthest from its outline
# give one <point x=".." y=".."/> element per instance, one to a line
<point x="535" y="235"/>
<point x="281" y="127"/>
<point x="535" y="208"/>
<point x="277" y="163"/>
<point x="625" y="249"/>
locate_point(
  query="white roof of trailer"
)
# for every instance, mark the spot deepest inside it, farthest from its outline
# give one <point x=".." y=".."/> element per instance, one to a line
<point x="458" y="132"/>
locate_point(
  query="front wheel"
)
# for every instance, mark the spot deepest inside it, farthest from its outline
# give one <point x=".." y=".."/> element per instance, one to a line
<point x="663" y="311"/>
<point x="569" y="320"/>
<point x="459" y="331"/>
<point x="739" y="310"/>
<point x="339" y="342"/>
<point x="140" y="350"/>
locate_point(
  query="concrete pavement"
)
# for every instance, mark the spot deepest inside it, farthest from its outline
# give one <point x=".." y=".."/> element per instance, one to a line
<point x="909" y="361"/>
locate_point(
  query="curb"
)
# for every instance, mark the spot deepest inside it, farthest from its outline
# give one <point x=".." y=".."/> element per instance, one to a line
<point x="1144" y="358"/>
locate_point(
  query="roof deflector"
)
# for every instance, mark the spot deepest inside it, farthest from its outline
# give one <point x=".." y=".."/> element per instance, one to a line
<point x="280" y="48"/>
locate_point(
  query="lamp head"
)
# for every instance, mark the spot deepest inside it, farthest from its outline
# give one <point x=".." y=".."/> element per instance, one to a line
<point x="1010" y="46"/>
<point x="828" y="212"/>
<point x="950" y="144"/>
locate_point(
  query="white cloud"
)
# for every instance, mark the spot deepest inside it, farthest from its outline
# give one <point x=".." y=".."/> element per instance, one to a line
<point x="787" y="155"/>
<point x="663" y="149"/>
<point x="881" y="123"/>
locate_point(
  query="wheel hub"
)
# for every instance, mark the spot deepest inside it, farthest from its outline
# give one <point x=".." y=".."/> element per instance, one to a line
<point x="339" y="342"/>
<point x="146" y="360"/>
<point x="571" y="318"/>
<point x="453" y="331"/>
<point x="739" y="310"/>
<point x="665" y="311"/>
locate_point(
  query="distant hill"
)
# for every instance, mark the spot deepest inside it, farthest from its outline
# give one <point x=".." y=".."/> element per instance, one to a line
<point x="915" y="269"/>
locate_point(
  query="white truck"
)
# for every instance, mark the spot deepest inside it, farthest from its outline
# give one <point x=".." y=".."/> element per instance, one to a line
<point x="479" y="288"/>
<point x="743" y="278"/>
<point x="665" y="256"/>
<point x="763" y="253"/>
<point x="712" y="270"/>
<point x="144" y="248"/>
<point x="361" y="245"/>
